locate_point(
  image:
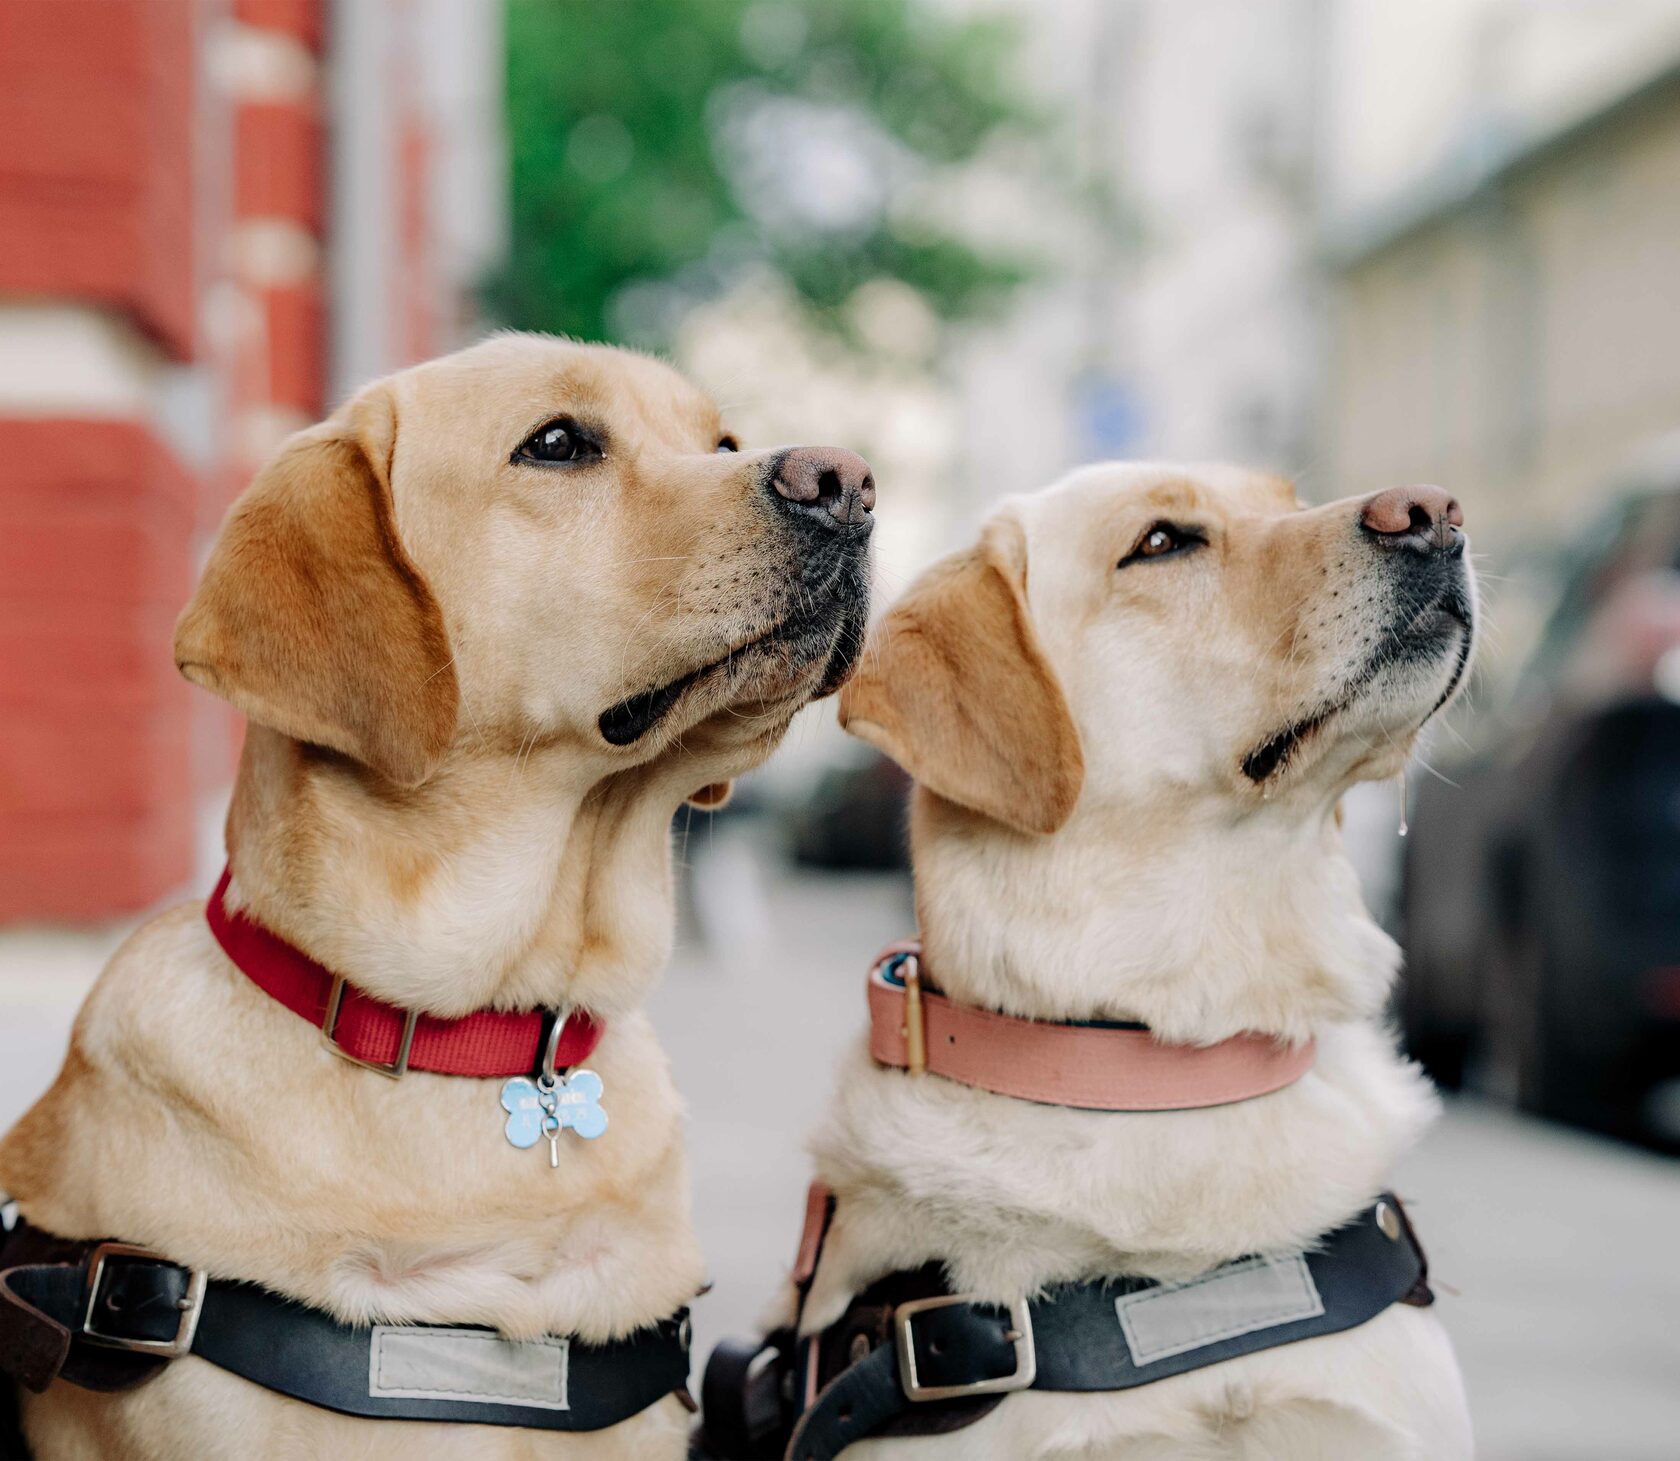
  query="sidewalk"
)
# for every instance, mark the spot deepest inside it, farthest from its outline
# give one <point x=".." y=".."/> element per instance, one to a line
<point x="1561" y="1248"/>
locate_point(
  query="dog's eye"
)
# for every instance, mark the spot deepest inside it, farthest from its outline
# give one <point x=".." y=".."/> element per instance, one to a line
<point x="1162" y="541"/>
<point x="558" y="442"/>
<point x="728" y="443"/>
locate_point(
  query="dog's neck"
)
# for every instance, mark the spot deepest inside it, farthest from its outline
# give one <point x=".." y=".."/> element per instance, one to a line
<point x="1201" y="932"/>
<point x="502" y="882"/>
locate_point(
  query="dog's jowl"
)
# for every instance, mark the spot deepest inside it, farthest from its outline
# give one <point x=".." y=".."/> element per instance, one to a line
<point x="490" y="626"/>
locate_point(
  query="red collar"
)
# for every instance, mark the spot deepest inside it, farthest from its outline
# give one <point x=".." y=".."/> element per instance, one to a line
<point x="384" y="1037"/>
<point x="1098" y="1067"/>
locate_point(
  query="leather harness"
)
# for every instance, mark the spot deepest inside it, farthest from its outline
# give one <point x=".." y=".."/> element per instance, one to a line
<point x="909" y="1357"/>
<point x="110" y="1316"/>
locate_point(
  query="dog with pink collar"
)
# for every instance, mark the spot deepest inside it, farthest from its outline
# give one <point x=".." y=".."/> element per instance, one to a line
<point x="1107" y="1178"/>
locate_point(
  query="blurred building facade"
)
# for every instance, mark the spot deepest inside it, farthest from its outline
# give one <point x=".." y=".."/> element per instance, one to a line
<point x="1363" y="244"/>
<point x="1502" y="253"/>
<point x="216" y="218"/>
<point x="1188" y="328"/>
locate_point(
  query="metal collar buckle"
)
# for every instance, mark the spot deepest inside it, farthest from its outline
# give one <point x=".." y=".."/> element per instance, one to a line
<point x="1020" y="1334"/>
<point x="915" y="1019"/>
<point x="192" y="1304"/>
<point x="398" y="1067"/>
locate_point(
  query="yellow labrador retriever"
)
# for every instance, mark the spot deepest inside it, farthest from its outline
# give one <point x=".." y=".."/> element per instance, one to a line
<point x="1130" y="711"/>
<point x="491" y="624"/>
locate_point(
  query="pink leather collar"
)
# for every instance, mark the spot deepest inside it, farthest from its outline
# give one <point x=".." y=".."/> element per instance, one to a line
<point x="1095" y="1067"/>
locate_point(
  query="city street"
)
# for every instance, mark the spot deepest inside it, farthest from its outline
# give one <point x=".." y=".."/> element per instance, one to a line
<point x="1554" y="1253"/>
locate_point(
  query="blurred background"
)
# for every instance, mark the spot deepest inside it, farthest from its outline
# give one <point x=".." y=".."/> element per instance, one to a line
<point x="980" y="241"/>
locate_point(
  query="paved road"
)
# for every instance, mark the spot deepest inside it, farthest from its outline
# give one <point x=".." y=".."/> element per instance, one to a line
<point x="1560" y="1251"/>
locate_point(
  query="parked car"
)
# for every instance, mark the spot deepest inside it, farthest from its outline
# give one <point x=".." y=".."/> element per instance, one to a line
<point x="1541" y="901"/>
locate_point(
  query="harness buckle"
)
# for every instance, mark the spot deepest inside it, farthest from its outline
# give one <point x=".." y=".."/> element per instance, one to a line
<point x="191" y="1304"/>
<point x="398" y="1068"/>
<point x="1020" y="1334"/>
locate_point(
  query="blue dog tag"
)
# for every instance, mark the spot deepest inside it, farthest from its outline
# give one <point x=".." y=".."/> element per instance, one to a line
<point x="551" y="1105"/>
<point x="525" y="1111"/>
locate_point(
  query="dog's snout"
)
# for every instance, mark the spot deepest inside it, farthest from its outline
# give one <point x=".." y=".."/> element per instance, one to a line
<point x="1421" y="519"/>
<point x="829" y="486"/>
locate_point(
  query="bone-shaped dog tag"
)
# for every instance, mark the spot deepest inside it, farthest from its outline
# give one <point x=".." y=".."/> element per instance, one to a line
<point x="526" y="1116"/>
<point x="546" y="1107"/>
<point x="577" y="1103"/>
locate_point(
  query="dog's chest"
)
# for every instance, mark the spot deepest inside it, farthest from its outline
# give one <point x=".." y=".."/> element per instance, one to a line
<point x="1020" y="1194"/>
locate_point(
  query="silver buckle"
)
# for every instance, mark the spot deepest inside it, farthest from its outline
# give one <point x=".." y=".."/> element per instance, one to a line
<point x="191" y="1306"/>
<point x="1021" y="1334"/>
<point x="398" y="1067"/>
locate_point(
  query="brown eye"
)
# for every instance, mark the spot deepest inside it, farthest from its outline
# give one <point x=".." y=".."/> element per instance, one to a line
<point x="560" y="443"/>
<point x="1162" y="541"/>
<point x="728" y="443"/>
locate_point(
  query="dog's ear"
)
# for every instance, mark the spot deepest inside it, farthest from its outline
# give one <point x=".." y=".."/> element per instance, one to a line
<point x="955" y="687"/>
<point x="713" y="798"/>
<point x="312" y="619"/>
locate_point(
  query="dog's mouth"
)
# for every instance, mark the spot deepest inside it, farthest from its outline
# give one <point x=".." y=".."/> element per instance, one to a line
<point x="829" y="628"/>
<point x="627" y="722"/>
<point x="1427" y="631"/>
<point x="1271" y="756"/>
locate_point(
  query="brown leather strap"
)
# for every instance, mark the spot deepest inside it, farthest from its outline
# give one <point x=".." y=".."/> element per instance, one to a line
<point x="35" y="1348"/>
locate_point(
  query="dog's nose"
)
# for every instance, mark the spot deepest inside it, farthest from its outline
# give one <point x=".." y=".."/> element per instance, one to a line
<point x="1423" y="519"/>
<point x="831" y="487"/>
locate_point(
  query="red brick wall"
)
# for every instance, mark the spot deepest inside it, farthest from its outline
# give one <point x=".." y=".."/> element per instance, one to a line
<point x="96" y="803"/>
<point x="102" y="186"/>
<point x="97" y="212"/>
<point x="96" y="115"/>
<point x="301" y="19"/>
<point x="280" y="164"/>
<point x="128" y="184"/>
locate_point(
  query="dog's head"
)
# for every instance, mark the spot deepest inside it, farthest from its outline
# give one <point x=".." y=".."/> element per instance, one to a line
<point x="1162" y="641"/>
<point x="533" y="542"/>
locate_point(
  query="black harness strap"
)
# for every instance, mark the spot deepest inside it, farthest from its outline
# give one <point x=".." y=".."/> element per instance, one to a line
<point x="108" y="1317"/>
<point x="950" y="1351"/>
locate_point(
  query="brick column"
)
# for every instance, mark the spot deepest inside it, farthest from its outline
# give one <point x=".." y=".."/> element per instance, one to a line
<point x="273" y="85"/>
<point x="97" y="300"/>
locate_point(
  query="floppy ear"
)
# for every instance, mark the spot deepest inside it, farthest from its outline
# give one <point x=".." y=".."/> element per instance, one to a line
<point x="713" y="798"/>
<point x="955" y="688"/>
<point x="312" y="619"/>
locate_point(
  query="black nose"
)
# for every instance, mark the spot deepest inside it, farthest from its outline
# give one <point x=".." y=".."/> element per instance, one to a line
<point x="827" y="486"/>
<point x="1420" y="519"/>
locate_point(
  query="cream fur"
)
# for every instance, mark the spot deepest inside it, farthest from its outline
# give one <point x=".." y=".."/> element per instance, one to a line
<point x="530" y="867"/>
<point x="1183" y="894"/>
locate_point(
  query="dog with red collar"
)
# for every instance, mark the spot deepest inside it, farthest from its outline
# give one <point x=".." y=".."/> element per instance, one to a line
<point x="1107" y="1178"/>
<point x="378" y="1156"/>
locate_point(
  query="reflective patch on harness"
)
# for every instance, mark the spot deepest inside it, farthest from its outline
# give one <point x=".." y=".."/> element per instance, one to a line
<point x="1240" y="1298"/>
<point x="467" y="1365"/>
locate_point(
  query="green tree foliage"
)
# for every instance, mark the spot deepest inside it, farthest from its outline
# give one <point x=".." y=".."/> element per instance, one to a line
<point x="660" y="147"/>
